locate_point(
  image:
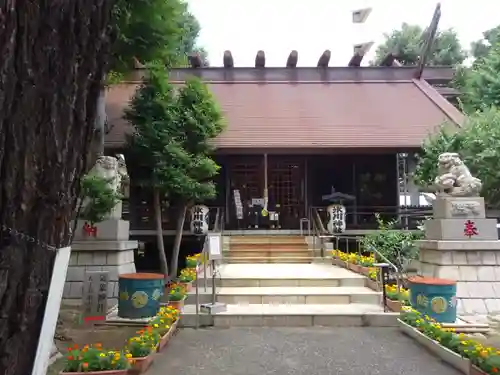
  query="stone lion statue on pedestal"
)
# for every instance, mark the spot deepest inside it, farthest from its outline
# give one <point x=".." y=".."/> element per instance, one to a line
<point x="454" y="177"/>
<point x="114" y="170"/>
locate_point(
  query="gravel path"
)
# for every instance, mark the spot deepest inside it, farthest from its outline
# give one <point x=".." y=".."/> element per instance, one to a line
<point x="296" y="351"/>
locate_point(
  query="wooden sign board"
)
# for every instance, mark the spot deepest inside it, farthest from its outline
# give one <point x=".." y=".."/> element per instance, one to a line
<point x="95" y="296"/>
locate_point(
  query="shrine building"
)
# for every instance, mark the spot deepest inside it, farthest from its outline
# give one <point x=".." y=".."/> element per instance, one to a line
<point x="302" y="133"/>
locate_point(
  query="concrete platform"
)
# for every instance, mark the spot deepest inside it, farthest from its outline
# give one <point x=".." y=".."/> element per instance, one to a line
<point x="294" y="315"/>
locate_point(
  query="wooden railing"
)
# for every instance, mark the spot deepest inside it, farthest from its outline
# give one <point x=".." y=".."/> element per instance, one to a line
<point x="141" y="217"/>
<point x="364" y="217"/>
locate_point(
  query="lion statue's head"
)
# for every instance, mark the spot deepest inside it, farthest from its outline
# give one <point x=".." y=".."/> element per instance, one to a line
<point x="448" y="160"/>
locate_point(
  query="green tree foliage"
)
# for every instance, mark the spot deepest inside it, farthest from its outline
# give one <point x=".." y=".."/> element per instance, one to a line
<point x="477" y="143"/>
<point x="480" y="85"/>
<point x="152" y="30"/>
<point x="481" y="47"/>
<point x="98" y="199"/>
<point x="407" y="42"/>
<point x="173" y="133"/>
<point x="397" y="246"/>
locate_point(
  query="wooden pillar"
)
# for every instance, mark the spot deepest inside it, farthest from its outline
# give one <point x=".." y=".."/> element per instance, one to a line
<point x="355" y="193"/>
<point x="266" y="191"/>
<point x="227" y="181"/>
<point x="306" y="188"/>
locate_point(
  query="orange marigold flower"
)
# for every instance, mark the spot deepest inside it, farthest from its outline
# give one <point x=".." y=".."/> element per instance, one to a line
<point x="85" y="365"/>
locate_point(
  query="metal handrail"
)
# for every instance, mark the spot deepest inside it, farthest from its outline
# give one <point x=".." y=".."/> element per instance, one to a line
<point x="217" y="228"/>
<point x="338" y="237"/>
<point x="374" y="250"/>
<point x="318" y="229"/>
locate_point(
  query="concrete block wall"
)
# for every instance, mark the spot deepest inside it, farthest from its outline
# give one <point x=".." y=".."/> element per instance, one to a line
<point x="477" y="274"/>
<point x="115" y="262"/>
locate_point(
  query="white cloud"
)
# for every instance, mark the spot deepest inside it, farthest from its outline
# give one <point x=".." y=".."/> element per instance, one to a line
<point x="311" y="26"/>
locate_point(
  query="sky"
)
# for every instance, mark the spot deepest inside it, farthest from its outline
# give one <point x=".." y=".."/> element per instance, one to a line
<point x="312" y="26"/>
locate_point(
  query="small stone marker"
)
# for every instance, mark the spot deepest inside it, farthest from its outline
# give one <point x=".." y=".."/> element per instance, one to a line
<point x="95" y="293"/>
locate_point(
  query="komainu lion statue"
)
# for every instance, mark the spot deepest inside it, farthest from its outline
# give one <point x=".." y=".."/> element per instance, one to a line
<point x="114" y="170"/>
<point x="454" y="177"/>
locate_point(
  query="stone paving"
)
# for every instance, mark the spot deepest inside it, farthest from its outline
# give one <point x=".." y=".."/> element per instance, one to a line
<point x="296" y="351"/>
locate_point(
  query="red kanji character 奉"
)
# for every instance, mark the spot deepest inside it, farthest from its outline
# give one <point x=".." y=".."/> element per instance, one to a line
<point x="470" y="229"/>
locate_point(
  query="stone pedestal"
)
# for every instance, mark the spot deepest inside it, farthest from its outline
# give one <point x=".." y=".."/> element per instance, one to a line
<point x="107" y="230"/>
<point x="109" y="250"/>
<point x="462" y="245"/>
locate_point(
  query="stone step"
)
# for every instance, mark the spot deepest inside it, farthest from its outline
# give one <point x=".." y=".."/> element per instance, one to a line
<point x="268" y="259"/>
<point x="266" y="240"/>
<point x="267" y="247"/>
<point x="340" y="281"/>
<point x="297" y="315"/>
<point x="298" y="295"/>
<point x="283" y="275"/>
<point x="262" y="253"/>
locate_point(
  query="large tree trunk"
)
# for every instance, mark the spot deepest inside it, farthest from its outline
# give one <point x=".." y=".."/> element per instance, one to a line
<point x="159" y="234"/>
<point x="53" y="57"/>
<point x="181" y="218"/>
<point x="100" y="123"/>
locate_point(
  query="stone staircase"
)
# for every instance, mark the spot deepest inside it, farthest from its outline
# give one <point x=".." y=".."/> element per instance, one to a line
<point x="296" y="295"/>
<point x="268" y="249"/>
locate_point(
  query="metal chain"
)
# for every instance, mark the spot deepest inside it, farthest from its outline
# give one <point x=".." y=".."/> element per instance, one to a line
<point x="27" y="238"/>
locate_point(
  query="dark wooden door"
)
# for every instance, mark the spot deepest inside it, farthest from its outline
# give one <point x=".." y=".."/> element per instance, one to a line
<point x="286" y="179"/>
<point x="246" y="174"/>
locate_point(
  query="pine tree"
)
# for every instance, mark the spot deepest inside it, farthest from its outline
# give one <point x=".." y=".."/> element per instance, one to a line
<point x="172" y="140"/>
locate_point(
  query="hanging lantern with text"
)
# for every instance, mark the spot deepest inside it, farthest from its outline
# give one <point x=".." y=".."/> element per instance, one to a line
<point x="336" y="218"/>
<point x="199" y="220"/>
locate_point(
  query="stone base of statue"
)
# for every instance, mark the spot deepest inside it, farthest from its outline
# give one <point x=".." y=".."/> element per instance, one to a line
<point x="462" y="245"/>
<point x="113" y="257"/>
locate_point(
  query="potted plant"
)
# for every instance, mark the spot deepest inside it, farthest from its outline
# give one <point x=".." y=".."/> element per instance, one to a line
<point x="176" y="296"/>
<point x="371" y="282"/>
<point x="94" y="359"/>
<point x="396" y="298"/>
<point x="365" y="262"/>
<point x="339" y="258"/>
<point x="141" y="349"/>
<point x="192" y="261"/>
<point x="187" y="276"/>
<point x="352" y="262"/>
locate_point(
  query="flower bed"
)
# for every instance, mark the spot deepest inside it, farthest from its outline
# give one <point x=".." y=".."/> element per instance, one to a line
<point x="465" y="354"/>
<point x="355" y="262"/>
<point x="138" y="353"/>
<point x="135" y="357"/>
<point x="359" y="264"/>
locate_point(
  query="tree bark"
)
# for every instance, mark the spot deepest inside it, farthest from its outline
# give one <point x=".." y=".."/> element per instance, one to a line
<point x="53" y="58"/>
<point x="159" y="234"/>
<point x="181" y="218"/>
<point x="101" y="121"/>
